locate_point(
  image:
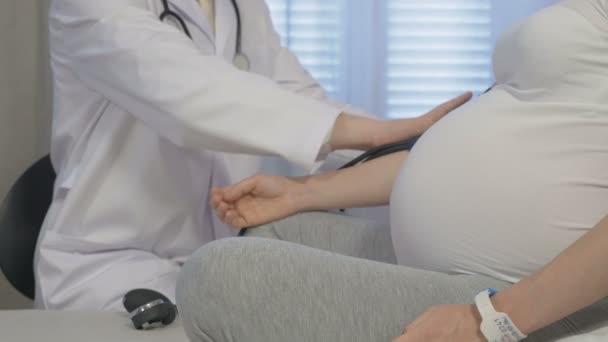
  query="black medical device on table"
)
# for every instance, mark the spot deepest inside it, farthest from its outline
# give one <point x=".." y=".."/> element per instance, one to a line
<point x="149" y="309"/>
<point x="240" y="60"/>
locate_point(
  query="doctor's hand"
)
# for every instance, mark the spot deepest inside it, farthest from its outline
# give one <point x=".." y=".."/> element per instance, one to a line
<point x="455" y="323"/>
<point x="258" y="200"/>
<point x="399" y="130"/>
<point x="361" y="133"/>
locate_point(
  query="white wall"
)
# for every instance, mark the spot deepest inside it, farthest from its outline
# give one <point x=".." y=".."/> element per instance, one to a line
<point x="24" y="99"/>
<point x="24" y="112"/>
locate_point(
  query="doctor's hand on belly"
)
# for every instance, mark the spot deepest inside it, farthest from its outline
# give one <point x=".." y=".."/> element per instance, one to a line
<point x="351" y="132"/>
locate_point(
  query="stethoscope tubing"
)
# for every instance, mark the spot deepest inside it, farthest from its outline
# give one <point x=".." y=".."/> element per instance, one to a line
<point x="167" y="12"/>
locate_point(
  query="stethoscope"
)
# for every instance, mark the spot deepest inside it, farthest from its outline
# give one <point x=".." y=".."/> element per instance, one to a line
<point x="241" y="61"/>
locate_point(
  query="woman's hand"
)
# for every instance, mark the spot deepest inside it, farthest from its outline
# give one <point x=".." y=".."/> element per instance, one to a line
<point x="446" y="323"/>
<point x="257" y="200"/>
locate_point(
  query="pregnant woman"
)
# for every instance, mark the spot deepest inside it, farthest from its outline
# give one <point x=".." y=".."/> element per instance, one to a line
<point x="508" y="192"/>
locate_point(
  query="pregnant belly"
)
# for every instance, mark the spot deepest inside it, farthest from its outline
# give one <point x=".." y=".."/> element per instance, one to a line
<point x="487" y="191"/>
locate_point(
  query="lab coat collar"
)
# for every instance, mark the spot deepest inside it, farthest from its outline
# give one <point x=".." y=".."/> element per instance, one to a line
<point x="191" y="11"/>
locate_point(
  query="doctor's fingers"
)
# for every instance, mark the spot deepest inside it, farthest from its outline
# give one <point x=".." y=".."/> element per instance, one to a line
<point x="448" y="106"/>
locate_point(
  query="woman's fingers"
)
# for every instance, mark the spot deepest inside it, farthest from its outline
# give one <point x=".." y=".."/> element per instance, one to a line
<point x="241" y="223"/>
<point x="222" y="210"/>
<point x="228" y="214"/>
<point x="235" y="192"/>
<point x="234" y="219"/>
<point x="223" y="201"/>
<point x="231" y="216"/>
<point x="215" y="201"/>
<point x="217" y="196"/>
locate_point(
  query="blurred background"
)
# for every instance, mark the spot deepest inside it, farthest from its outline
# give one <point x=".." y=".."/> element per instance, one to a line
<point x="395" y="58"/>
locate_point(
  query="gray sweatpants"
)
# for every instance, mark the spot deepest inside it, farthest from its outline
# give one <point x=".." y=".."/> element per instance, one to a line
<point x="263" y="290"/>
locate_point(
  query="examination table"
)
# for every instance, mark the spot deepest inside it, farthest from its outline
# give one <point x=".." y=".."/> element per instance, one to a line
<point x="48" y="326"/>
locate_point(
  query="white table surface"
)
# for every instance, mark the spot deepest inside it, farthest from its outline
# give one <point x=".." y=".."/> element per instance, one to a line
<point x="47" y="326"/>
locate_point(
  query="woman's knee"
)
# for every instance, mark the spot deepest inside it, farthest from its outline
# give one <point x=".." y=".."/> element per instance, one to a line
<point x="293" y="228"/>
<point x="346" y="235"/>
<point x="209" y="281"/>
<point x="199" y="288"/>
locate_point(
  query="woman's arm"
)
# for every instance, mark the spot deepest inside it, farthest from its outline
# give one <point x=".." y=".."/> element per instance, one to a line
<point x="262" y="199"/>
<point x="577" y="278"/>
<point x="366" y="185"/>
<point x="574" y="280"/>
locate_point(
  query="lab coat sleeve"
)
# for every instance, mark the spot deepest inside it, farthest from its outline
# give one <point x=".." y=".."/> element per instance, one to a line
<point x="120" y="49"/>
<point x="290" y="74"/>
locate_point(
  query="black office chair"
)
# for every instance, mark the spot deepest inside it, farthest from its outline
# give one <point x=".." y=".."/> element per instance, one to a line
<point x="21" y="215"/>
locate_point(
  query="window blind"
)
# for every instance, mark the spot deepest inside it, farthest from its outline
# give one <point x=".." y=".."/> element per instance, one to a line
<point x="395" y="58"/>
<point x="313" y="30"/>
<point x="436" y="49"/>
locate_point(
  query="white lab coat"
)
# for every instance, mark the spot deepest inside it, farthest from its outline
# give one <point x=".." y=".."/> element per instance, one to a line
<point x="144" y="119"/>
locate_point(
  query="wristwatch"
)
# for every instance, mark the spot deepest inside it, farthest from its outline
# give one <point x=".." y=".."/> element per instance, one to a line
<point x="496" y="326"/>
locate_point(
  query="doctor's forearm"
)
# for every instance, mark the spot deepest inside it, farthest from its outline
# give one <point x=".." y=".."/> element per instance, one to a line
<point x="355" y="132"/>
<point x="368" y="184"/>
<point x="352" y="132"/>
<point x="574" y="280"/>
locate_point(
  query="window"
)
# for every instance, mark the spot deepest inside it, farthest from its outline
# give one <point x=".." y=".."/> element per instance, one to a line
<point x="396" y="58"/>
<point x="313" y="30"/>
<point x="436" y="49"/>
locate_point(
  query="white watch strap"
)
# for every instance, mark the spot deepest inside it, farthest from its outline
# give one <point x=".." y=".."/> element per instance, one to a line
<point x="496" y="326"/>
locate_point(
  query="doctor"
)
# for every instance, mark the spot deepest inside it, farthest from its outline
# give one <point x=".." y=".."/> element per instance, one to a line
<point x="149" y="114"/>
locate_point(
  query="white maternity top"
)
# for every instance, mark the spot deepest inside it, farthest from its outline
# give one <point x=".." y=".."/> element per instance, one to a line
<point x="505" y="183"/>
